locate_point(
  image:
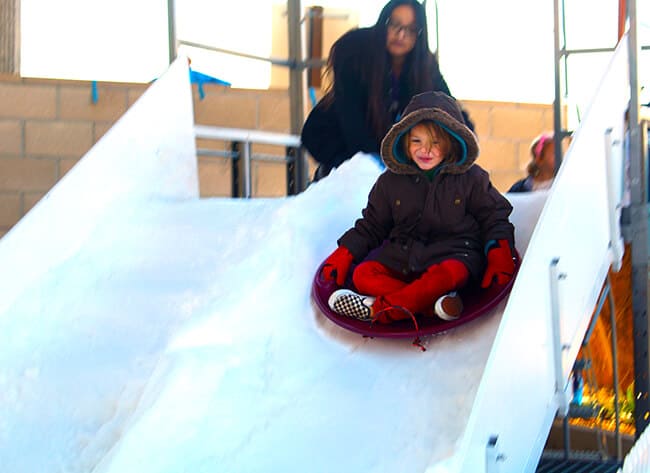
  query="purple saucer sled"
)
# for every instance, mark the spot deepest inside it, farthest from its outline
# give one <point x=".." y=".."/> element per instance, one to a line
<point x="476" y="302"/>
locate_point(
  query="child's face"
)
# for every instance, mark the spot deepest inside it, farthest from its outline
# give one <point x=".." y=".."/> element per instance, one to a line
<point x="424" y="147"/>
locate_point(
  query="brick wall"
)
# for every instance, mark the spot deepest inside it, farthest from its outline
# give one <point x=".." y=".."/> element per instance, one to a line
<point x="505" y="131"/>
<point x="47" y="125"/>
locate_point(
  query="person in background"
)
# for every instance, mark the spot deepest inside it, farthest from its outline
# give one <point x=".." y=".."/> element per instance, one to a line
<point x="374" y="73"/>
<point x="541" y="169"/>
<point x="433" y="219"/>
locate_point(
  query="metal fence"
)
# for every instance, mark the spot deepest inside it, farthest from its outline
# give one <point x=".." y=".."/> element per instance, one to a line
<point x="241" y="155"/>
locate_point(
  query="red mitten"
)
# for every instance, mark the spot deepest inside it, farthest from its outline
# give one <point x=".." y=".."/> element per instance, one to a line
<point x="500" y="264"/>
<point x="337" y="265"/>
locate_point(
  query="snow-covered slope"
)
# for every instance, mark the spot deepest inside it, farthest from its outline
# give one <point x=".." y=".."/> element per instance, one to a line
<point x="160" y="332"/>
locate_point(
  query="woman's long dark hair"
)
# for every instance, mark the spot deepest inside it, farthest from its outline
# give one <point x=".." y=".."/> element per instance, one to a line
<point x="420" y="66"/>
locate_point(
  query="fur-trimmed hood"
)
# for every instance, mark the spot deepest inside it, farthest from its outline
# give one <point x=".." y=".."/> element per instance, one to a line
<point x="446" y="112"/>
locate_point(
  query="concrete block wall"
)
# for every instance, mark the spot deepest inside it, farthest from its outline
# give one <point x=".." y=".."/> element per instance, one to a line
<point x="46" y="126"/>
<point x="239" y="108"/>
<point x="505" y="131"/>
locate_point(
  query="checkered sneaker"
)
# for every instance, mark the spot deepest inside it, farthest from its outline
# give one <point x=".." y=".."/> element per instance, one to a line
<point x="449" y="307"/>
<point x="351" y="304"/>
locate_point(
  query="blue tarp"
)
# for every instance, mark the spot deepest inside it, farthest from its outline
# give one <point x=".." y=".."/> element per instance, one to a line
<point x="199" y="79"/>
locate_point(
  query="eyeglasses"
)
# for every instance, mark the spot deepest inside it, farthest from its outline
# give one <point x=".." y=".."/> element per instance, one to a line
<point x="411" y="31"/>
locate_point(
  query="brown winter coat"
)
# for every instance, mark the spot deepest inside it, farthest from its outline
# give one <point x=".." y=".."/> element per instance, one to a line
<point x="416" y="223"/>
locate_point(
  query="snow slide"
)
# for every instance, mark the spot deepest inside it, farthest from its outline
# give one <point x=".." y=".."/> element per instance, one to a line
<point x="158" y="332"/>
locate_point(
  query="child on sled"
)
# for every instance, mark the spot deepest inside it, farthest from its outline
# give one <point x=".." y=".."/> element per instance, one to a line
<point x="433" y="219"/>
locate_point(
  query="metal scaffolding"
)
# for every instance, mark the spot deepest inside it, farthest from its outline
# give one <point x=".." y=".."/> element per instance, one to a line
<point x="634" y="220"/>
<point x="638" y="229"/>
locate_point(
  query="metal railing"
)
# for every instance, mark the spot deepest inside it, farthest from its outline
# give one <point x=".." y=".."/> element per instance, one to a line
<point x="240" y="152"/>
<point x="297" y="179"/>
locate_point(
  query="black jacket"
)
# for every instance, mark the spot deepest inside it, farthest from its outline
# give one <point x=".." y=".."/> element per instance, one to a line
<point x="417" y="223"/>
<point x="335" y="131"/>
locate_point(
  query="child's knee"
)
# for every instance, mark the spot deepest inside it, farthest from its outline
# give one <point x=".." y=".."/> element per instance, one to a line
<point x="457" y="272"/>
<point x="362" y="273"/>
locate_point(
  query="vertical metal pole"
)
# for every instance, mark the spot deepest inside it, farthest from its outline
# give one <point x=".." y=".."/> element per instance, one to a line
<point x="558" y="352"/>
<point x="315" y="45"/>
<point x="246" y="168"/>
<point x="566" y="431"/>
<point x="621" y="18"/>
<point x="557" y="103"/>
<point x="615" y="247"/>
<point x="291" y="183"/>
<point x="437" y="24"/>
<point x="171" y="30"/>
<point x="565" y="55"/>
<point x="235" y="147"/>
<point x="296" y="85"/>
<point x="10" y="37"/>
<point x="639" y="235"/>
<point x="293" y="156"/>
<point x="613" y="225"/>
<point x="558" y="346"/>
<point x="492" y="456"/>
<point x="617" y="410"/>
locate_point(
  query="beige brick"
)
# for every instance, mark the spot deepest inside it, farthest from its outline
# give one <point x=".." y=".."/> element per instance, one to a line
<point x="65" y="165"/>
<point x="27" y="174"/>
<point x="498" y="155"/>
<point x="272" y="150"/>
<point x="214" y="177"/>
<point x="503" y="180"/>
<point x="546" y="111"/>
<point x="11" y="137"/>
<point x="61" y="138"/>
<point x="27" y="101"/>
<point x="523" y="153"/>
<point x="75" y="103"/>
<point x="30" y="199"/>
<point x="100" y="129"/>
<point x="280" y="74"/>
<point x="269" y="179"/>
<point x="233" y="110"/>
<point x="134" y="93"/>
<point x="10" y="209"/>
<point x="213" y="144"/>
<point x="548" y="120"/>
<point x="518" y="122"/>
<point x="485" y="103"/>
<point x="480" y="115"/>
<point x="274" y="113"/>
<point x="214" y="89"/>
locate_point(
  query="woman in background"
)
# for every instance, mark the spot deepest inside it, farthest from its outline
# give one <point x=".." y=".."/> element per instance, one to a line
<point x="374" y="73"/>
